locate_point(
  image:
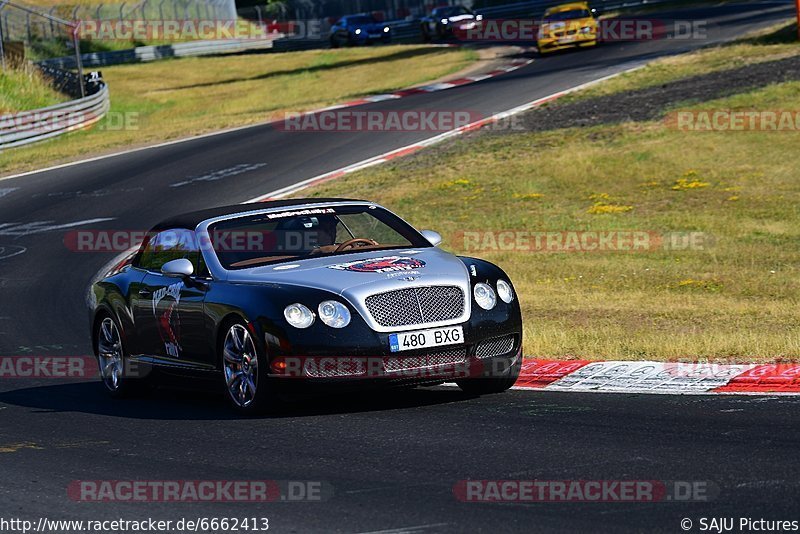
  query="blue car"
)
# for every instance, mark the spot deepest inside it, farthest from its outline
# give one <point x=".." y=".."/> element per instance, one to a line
<point x="353" y="30"/>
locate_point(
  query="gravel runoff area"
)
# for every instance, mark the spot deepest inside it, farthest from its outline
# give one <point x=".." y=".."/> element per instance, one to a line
<point x="652" y="102"/>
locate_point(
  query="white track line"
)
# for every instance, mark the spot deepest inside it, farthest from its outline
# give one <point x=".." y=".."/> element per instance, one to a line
<point x="387" y="156"/>
<point x="359" y="102"/>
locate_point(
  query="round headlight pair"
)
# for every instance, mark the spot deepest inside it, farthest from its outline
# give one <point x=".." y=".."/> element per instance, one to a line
<point x="332" y="313"/>
<point x="486" y="297"/>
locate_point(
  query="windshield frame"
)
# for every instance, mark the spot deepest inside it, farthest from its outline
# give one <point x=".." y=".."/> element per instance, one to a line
<point x="584" y="14"/>
<point x="219" y="272"/>
<point x="360" y="20"/>
<point x="455" y="11"/>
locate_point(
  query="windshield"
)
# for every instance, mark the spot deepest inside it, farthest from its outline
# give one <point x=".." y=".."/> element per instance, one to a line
<point x="355" y="21"/>
<point x="450" y="11"/>
<point x="567" y="15"/>
<point x="309" y="233"/>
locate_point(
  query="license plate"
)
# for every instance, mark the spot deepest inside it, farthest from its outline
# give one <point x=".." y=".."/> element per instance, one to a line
<point x="421" y="339"/>
<point x="374" y="35"/>
<point x="567" y="39"/>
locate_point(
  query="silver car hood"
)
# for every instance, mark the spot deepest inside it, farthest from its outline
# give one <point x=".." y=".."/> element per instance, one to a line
<point x="356" y="276"/>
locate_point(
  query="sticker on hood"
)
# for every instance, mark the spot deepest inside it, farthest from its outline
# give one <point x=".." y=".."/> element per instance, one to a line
<point x="385" y="264"/>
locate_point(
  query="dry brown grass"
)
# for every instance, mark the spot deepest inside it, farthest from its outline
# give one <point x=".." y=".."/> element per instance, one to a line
<point x="178" y="98"/>
<point x="735" y="299"/>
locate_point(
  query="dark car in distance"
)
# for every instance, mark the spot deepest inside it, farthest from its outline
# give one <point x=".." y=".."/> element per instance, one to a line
<point x="449" y="21"/>
<point x="353" y="30"/>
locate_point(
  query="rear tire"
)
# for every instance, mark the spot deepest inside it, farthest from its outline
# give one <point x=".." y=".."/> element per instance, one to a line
<point x="497" y="384"/>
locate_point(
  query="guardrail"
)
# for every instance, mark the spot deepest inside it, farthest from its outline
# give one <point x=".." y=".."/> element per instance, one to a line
<point x="26" y="127"/>
<point x="153" y="53"/>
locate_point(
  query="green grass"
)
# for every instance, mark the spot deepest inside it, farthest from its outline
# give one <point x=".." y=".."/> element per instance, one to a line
<point x="22" y="90"/>
<point x="182" y="97"/>
<point x="734" y="300"/>
<point x="777" y="42"/>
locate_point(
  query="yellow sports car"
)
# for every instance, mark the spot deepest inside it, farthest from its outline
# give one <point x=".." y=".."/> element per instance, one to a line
<point x="566" y="26"/>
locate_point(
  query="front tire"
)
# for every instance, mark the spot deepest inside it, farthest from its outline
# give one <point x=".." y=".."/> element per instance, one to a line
<point x="496" y="384"/>
<point x="246" y="387"/>
<point x="112" y="359"/>
<point x="426" y="37"/>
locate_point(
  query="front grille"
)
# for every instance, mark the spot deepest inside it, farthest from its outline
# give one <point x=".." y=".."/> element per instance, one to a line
<point x="395" y="364"/>
<point x="420" y="366"/>
<point x="335" y="367"/>
<point x="416" y="305"/>
<point x="496" y="346"/>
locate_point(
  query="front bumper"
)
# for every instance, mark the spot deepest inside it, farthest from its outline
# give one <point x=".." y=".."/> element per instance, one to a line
<point x="367" y="38"/>
<point x="489" y="357"/>
<point x="561" y="42"/>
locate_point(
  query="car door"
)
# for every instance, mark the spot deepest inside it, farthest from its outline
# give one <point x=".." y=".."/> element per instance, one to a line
<point x="168" y="311"/>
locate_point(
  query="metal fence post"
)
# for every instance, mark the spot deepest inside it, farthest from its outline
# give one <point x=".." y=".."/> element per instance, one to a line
<point x="2" y="50"/>
<point x="52" y="24"/>
<point x="77" y="44"/>
<point x="797" y="6"/>
<point x="2" y="35"/>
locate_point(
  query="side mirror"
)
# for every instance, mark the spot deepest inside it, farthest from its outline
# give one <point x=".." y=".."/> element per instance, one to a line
<point x="433" y="237"/>
<point x="178" y="268"/>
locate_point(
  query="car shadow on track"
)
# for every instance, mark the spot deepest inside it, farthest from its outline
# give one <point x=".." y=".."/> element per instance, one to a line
<point x="396" y="56"/>
<point x="178" y="404"/>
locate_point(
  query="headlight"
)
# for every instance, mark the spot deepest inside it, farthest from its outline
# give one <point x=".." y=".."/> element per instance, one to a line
<point x="485" y="296"/>
<point x="334" y="314"/>
<point x="386" y="29"/>
<point x="358" y="31"/>
<point x="298" y="315"/>
<point x="504" y="291"/>
<point x="445" y="21"/>
<point x="586" y="29"/>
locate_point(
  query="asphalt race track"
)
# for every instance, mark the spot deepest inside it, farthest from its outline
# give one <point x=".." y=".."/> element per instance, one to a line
<point x="391" y="460"/>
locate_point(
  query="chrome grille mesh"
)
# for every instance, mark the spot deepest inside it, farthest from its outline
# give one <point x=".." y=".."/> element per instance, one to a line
<point x="333" y="367"/>
<point x="496" y="346"/>
<point x="430" y="360"/>
<point x="416" y="305"/>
